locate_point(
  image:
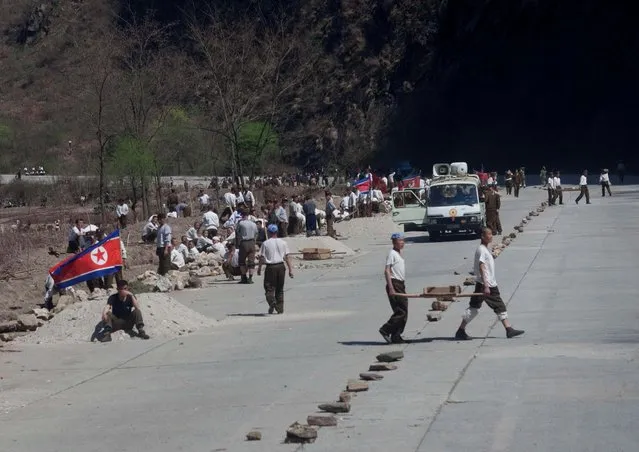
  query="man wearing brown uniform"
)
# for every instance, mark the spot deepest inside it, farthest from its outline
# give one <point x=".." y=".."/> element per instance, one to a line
<point x="493" y="204"/>
<point x="274" y="253"/>
<point x="245" y="234"/>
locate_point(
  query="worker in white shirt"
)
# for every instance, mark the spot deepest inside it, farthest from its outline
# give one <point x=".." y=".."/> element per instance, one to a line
<point x="230" y="200"/>
<point x="550" y="187"/>
<point x="282" y="217"/>
<point x="177" y="258"/>
<point x="121" y="212"/>
<point x="604" y="180"/>
<point x="210" y="222"/>
<point x="76" y="237"/>
<point x="192" y="252"/>
<point x="274" y="253"/>
<point x="559" y="194"/>
<point x="204" y="200"/>
<point x="231" y="264"/>
<point x="193" y="233"/>
<point x="486" y="284"/>
<point x="583" y="188"/>
<point x="184" y="247"/>
<point x="218" y="247"/>
<point x="395" y="276"/>
<point x="352" y="202"/>
<point x="249" y="199"/>
<point x="150" y="230"/>
<point x="239" y="197"/>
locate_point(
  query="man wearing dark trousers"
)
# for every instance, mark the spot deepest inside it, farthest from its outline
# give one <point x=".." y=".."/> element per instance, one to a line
<point x="559" y="193"/>
<point x="485" y="283"/>
<point x="274" y="253"/>
<point x="122" y="312"/>
<point x="395" y="276"/>
<point x="245" y="234"/>
<point x="163" y="245"/>
<point x="583" y="188"/>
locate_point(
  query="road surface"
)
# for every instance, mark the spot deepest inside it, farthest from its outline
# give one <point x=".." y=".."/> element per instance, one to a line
<point x="570" y="383"/>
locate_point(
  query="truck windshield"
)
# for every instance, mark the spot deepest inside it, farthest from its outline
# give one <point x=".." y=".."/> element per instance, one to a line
<point x="452" y="195"/>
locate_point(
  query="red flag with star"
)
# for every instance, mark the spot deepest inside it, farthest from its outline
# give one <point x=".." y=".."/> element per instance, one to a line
<point x="102" y="259"/>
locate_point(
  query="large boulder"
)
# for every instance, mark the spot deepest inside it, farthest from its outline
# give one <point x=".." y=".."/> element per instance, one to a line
<point x="163" y="284"/>
<point x="27" y="322"/>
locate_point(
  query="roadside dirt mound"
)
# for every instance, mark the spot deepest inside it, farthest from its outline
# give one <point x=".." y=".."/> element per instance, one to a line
<point x="164" y="318"/>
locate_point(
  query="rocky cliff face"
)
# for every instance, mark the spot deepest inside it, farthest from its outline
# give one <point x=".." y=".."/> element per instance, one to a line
<point x="426" y="79"/>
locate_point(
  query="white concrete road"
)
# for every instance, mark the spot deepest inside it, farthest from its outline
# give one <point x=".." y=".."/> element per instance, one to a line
<point x="571" y="383"/>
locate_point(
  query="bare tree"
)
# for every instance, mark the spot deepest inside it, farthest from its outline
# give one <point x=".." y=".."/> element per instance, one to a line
<point x="249" y="73"/>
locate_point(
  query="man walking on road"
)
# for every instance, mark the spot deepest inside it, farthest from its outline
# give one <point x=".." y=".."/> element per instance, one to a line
<point x="550" y="186"/>
<point x="245" y="234"/>
<point x="493" y="204"/>
<point x="274" y="253"/>
<point x="604" y="180"/>
<point x="583" y="188"/>
<point x="395" y="275"/>
<point x="486" y="283"/>
<point x="559" y="194"/>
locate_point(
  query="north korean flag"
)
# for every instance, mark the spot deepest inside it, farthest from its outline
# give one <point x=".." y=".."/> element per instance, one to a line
<point x="411" y="182"/>
<point x="102" y="259"/>
<point x="363" y="185"/>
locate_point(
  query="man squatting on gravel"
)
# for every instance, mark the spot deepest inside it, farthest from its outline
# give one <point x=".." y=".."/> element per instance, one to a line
<point x="122" y="312"/>
<point x="485" y="282"/>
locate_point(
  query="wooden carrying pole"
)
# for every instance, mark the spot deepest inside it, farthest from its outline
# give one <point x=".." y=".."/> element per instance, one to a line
<point x="459" y="295"/>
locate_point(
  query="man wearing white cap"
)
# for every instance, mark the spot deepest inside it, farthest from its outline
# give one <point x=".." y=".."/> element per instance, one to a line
<point x="395" y="275"/>
<point x="274" y="253"/>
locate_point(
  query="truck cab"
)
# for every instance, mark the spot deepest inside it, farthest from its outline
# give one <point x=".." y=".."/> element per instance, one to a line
<point x="451" y="205"/>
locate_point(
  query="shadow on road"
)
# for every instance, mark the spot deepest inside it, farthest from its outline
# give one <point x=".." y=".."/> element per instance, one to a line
<point x="449" y="238"/>
<point x="422" y="340"/>
<point x="257" y="314"/>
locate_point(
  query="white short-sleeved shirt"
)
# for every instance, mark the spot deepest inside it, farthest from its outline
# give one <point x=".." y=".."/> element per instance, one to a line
<point x="210" y="221"/>
<point x="204" y="199"/>
<point x="177" y="258"/>
<point x="604" y="178"/>
<point x="583" y="180"/>
<point x="235" y="259"/>
<point x="483" y="256"/>
<point x="397" y="266"/>
<point x="274" y="251"/>
<point x="230" y="199"/>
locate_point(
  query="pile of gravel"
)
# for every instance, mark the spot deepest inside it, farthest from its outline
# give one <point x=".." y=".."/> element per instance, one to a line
<point x="164" y="318"/>
<point x="298" y="243"/>
<point x="378" y="226"/>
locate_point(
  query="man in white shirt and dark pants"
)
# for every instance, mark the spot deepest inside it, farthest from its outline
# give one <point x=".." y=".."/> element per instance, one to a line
<point x="583" y="188"/>
<point x="121" y="211"/>
<point x="559" y="194"/>
<point x="550" y="186"/>
<point x="210" y="222"/>
<point x="274" y="253"/>
<point x="604" y="180"/>
<point x="395" y="275"/>
<point x="486" y="284"/>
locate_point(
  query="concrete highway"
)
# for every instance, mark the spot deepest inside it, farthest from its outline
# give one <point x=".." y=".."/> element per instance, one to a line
<point x="571" y="383"/>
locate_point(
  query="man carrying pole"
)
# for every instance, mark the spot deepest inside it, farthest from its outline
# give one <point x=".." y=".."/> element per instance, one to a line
<point x="486" y="284"/>
<point x="394" y="275"/>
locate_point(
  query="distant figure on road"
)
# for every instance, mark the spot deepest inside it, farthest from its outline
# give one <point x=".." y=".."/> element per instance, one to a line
<point x="517" y="182"/>
<point x="493" y="204"/>
<point x="508" y="181"/>
<point x="542" y="177"/>
<point x="395" y="276"/>
<point x="604" y="180"/>
<point x="559" y="194"/>
<point x="485" y="283"/>
<point x="621" y="171"/>
<point x="274" y="253"/>
<point x="550" y="187"/>
<point x="583" y="188"/>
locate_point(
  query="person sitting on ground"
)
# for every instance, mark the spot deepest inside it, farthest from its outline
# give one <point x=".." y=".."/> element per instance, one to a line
<point x="211" y="222"/>
<point x="194" y="232"/>
<point x="183" y="248"/>
<point x="177" y="258"/>
<point x="150" y="230"/>
<point x="218" y="247"/>
<point x="122" y="312"/>
<point x="193" y="253"/>
<point x="231" y="264"/>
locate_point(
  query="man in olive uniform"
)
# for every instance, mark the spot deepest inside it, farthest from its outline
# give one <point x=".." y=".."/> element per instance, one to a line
<point x="493" y="204"/>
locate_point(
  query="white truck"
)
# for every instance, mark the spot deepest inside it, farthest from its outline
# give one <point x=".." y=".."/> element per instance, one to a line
<point x="452" y="204"/>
